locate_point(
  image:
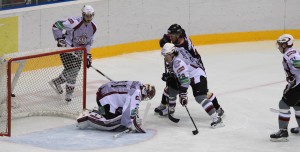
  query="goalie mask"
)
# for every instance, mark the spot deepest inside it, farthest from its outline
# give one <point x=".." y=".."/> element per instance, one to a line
<point x="87" y="13"/>
<point x="148" y="92"/>
<point x="285" y="41"/>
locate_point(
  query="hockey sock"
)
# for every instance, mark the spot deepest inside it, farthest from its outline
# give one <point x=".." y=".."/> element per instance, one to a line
<point x="283" y="119"/>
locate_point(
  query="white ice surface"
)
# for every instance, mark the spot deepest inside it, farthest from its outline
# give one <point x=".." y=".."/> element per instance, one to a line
<point x="247" y="78"/>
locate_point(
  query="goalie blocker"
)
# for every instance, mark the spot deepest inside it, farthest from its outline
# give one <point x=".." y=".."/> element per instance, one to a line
<point x="118" y="104"/>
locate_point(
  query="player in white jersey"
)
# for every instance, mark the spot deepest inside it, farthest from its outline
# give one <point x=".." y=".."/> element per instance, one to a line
<point x="189" y="73"/>
<point x="118" y="103"/>
<point x="291" y="93"/>
<point x="176" y="35"/>
<point x="73" y="32"/>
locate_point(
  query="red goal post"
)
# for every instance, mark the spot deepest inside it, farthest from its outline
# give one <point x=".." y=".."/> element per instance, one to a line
<point x="27" y="75"/>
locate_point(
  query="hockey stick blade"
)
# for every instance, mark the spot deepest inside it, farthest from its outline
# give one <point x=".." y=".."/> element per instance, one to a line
<point x="176" y="120"/>
<point x="279" y="110"/>
<point x="195" y="132"/>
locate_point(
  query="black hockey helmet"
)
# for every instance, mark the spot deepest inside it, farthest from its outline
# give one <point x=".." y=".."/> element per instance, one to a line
<point x="175" y="29"/>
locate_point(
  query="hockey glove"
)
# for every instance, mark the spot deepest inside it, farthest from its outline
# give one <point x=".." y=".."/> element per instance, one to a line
<point x="165" y="76"/>
<point x="173" y="81"/>
<point x="164" y="40"/>
<point x="89" y="60"/>
<point x="291" y="80"/>
<point x="183" y="99"/>
<point x="61" y="42"/>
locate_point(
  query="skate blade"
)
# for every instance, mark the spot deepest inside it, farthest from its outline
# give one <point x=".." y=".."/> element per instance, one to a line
<point x="283" y="139"/>
<point x="219" y="125"/>
<point x="223" y="116"/>
<point x="54" y="88"/>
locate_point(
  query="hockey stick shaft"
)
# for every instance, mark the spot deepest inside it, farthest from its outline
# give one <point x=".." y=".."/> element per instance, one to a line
<point x="195" y="131"/>
<point x="93" y="67"/>
<point x="279" y="110"/>
<point x="101" y="73"/>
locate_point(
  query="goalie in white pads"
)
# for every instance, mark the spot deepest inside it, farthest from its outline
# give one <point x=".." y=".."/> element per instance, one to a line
<point x="291" y="94"/>
<point x="118" y="104"/>
<point x="73" y="32"/>
<point x="189" y="73"/>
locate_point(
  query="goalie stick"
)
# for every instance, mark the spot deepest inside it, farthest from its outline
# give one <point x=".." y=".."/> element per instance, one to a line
<point x="129" y="130"/>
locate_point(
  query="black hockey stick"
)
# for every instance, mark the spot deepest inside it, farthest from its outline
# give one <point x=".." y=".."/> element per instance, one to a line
<point x="102" y="73"/>
<point x="176" y="120"/>
<point x="195" y="132"/>
<point x="93" y="68"/>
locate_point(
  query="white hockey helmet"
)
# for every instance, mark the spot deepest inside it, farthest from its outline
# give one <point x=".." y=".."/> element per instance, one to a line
<point x="286" y="39"/>
<point x="168" y="48"/>
<point x="88" y="12"/>
<point x="148" y="92"/>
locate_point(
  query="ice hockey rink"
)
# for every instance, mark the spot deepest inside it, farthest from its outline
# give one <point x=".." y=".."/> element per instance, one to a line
<point x="247" y="78"/>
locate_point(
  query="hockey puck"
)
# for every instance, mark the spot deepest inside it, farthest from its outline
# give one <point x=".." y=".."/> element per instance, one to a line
<point x="13" y="95"/>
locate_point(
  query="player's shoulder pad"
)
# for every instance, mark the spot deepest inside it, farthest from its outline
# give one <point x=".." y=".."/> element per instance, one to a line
<point x="72" y="22"/>
<point x="292" y="54"/>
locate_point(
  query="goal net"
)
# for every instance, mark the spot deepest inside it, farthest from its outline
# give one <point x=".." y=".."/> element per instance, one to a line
<point x="25" y="88"/>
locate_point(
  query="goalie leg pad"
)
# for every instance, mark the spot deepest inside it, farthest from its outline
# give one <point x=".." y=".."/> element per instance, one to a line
<point x="97" y="121"/>
<point x="83" y="124"/>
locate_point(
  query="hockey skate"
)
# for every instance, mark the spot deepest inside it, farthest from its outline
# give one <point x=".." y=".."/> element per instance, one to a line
<point x="56" y="87"/>
<point x="160" y="108"/>
<point x="295" y="130"/>
<point x="280" y="136"/>
<point x="68" y="97"/>
<point x="220" y="112"/>
<point x="69" y="92"/>
<point x="165" y="111"/>
<point x="217" y="122"/>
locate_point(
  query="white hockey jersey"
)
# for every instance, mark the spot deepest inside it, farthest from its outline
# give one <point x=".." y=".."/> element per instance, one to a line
<point x="186" y="67"/>
<point x="125" y="94"/>
<point x="77" y="34"/>
<point x="289" y="59"/>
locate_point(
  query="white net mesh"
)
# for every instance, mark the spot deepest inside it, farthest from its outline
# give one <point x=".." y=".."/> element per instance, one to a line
<point x="30" y="79"/>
